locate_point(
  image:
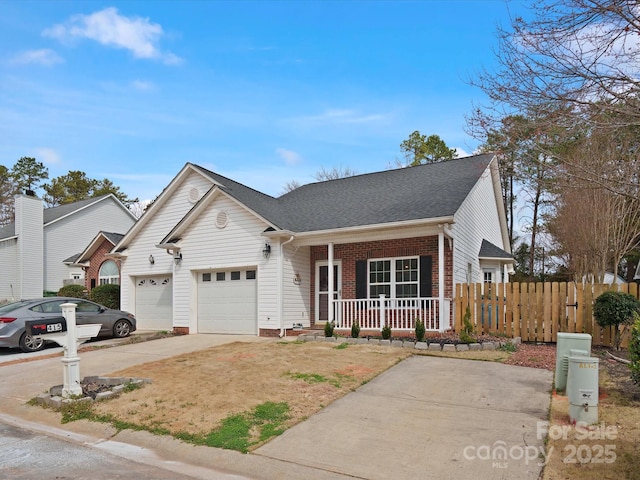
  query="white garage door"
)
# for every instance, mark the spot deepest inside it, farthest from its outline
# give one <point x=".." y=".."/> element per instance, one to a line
<point x="154" y="309"/>
<point x="227" y="302"/>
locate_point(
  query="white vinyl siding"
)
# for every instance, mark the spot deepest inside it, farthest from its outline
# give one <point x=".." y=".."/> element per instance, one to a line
<point x="8" y="260"/>
<point x="238" y="246"/>
<point x="297" y="304"/>
<point x="71" y="235"/>
<point x="153" y="231"/>
<point x="476" y="219"/>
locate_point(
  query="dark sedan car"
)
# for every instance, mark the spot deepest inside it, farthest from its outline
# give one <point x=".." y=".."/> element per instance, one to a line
<point x="115" y="323"/>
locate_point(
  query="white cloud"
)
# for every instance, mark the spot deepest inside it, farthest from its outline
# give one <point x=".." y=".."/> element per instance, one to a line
<point x="289" y="156"/>
<point x="43" y="56"/>
<point x="142" y="85"/>
<point x="343" y="116"/>
<point x="108" y="27"/>
<point x="48" y="156"/>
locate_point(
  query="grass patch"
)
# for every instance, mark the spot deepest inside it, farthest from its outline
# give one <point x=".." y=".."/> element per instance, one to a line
<point x="244" y="430"/>
<point x="341" y="346"/>
<point x="317" y="378"/>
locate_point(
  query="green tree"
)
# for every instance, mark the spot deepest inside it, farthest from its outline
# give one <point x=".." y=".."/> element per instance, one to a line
<point x="7" y="192"/>
<point x="76" y="186"/>
<point x="69" y="188"/>
<point x="28" y="173"/>
<point x="419" y="149"/>
<point x="106" y="186"/>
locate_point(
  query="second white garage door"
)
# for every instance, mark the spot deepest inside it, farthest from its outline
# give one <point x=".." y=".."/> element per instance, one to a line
<point x="227" y="302"/>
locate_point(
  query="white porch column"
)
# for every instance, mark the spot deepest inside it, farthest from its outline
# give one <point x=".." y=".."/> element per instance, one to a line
<point x="330" y="283"/>
<point x="441" y="278"/>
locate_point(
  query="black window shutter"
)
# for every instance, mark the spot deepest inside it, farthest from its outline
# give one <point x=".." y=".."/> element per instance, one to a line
<point x="361" y="279"/>
<point x="426" y="276"/>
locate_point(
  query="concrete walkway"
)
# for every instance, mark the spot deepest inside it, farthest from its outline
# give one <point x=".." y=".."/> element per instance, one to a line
<point x="427" y="417"/>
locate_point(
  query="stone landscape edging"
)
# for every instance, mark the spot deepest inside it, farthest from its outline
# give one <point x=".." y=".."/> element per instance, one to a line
<point x="429" y="346"/>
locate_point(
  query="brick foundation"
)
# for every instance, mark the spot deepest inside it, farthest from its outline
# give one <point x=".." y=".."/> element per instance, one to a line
<point x="270" y="332"/>
<point x="181" y="330"/>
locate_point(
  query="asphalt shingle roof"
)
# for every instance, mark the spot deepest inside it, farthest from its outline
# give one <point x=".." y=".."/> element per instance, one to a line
<point x="412" y="193"/>
<point x="51" y="214"/>
<point x="489" y="250"/>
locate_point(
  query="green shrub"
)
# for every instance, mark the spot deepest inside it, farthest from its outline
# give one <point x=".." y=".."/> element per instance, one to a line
<point x="386" y="332"/>
<point x="355" y="330"/>
<point x="467" y="327"/>
<point x="328" y="329"/>
<point x="75" y="291"/>
<point x="634" y="351"/>
<point x="508" y="347"/>
<point x="616" y="309"/>
<point x="420" y="330"/>
<point x="107" y="295"/>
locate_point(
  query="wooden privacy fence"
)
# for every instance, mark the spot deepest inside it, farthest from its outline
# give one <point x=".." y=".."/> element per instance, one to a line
<point x="536" y="312"/>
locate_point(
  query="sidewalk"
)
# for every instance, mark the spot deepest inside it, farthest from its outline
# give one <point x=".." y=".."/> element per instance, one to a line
<point x="427" y="417"/>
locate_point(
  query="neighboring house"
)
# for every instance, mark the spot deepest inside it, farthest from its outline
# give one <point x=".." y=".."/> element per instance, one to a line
<point x="211" y="255"/>
<point x="34" y="248"/>
<point x="98" y="269"/>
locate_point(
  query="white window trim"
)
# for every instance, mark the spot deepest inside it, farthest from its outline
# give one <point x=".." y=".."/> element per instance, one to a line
<point x="392" y="284"/>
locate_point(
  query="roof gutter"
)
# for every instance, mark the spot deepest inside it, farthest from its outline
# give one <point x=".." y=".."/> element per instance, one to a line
<point x="281" y="285"/>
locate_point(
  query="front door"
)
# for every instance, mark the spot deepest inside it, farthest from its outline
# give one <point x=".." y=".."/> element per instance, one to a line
<point x="322" y="288"/>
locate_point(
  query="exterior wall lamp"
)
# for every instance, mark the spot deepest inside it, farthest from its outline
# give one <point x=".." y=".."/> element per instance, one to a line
<point x="297" y="279"/>
<point x="177" y="257"/>
<point x="266" y="251"/>
<point x="151" y="260"/>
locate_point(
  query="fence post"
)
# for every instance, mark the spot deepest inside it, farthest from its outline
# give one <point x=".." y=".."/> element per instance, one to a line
<point x="383" y="319"/>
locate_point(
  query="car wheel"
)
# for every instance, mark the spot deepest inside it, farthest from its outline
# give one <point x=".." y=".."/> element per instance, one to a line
<point x="30" y="344"/>
<point x="121" y="329"/>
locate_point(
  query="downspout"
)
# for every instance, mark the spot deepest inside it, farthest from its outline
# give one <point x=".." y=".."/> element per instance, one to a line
<point x="281" y="286"/>
<point x="448" y="232"/>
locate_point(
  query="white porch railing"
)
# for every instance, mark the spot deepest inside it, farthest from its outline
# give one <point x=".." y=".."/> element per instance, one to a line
<point x="398" y="313"/>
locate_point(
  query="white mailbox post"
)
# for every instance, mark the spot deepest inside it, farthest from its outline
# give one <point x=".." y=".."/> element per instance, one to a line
<point x="70" y="339"/>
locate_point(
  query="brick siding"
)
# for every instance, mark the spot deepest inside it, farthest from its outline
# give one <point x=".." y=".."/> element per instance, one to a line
<point x="348" y="253"/>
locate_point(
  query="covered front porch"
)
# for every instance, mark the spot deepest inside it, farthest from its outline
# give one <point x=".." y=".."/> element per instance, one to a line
<point x="393" y="282"/>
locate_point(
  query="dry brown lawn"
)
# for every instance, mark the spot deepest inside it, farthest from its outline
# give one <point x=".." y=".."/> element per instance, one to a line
<point x="193" y="393"/>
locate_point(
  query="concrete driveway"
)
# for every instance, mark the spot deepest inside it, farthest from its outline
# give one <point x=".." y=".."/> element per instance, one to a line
<point x="426" y="417"/>
<point x="429" y="417"/>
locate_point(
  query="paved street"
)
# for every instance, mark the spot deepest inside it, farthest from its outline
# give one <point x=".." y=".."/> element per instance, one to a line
<point x="26" y="455"/>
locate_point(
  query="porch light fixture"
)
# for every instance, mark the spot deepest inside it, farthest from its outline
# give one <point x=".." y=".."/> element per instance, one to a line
<point x="177" y="257"/>
<point x="266" y="251"/>
<point x="151" y="260"/>
<point x="297" y="279"/>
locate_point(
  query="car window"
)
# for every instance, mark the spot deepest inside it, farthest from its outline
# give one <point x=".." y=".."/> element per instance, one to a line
<point x="87" y="307"/>
<point x="12" y="306"/>
<point x="48" y="307"/>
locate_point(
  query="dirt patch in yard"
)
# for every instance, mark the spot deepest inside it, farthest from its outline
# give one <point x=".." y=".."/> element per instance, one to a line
<point x="193" y="393"/>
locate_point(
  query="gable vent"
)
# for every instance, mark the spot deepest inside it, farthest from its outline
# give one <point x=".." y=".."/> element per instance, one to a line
<point x="193" y="195"/>
<point x="222" y="219"/>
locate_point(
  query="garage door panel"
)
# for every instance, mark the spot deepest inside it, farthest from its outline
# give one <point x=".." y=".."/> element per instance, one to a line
<point x="154" y="303"/>
<point x="227" y="306"/>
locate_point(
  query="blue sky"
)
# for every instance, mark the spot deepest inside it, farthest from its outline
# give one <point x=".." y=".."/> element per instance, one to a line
<point x="263" y="92"/>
